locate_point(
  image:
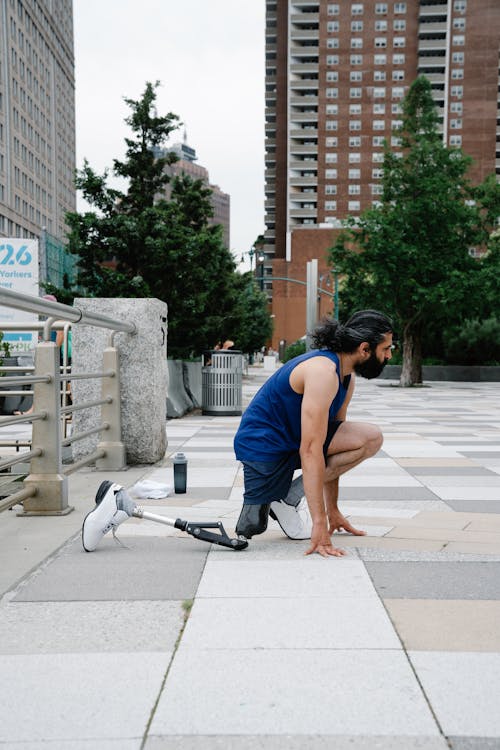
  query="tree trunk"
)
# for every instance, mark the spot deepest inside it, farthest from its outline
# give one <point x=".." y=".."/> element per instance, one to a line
<point x="411" y="372"/>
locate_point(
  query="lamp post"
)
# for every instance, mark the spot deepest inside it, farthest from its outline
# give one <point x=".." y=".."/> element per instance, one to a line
<point x="261" y="260"/>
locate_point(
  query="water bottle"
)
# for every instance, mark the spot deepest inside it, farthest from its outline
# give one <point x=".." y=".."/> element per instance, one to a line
<point x="180" y="473"/>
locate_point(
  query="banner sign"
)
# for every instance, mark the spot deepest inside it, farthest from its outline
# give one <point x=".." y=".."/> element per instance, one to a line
<point x="19" y="272"/>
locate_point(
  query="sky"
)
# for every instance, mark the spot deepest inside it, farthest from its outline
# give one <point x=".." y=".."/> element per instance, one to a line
<point x="209" y="57"/>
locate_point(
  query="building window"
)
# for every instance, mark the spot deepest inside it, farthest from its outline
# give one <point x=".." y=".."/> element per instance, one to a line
<point x="378" y="141"/>
<point x="332" y="93"/>
<point x="460" y="6"/>
<point x="353" y="205"/>
<point x="457" y="74"/>
<point x="332" y="109"/>
<point x="356" y="76"/>
<point x="332" y="26"/>
<point x="395" y="124"/>
<point x="395" y="141"/>
<point x="356" y="42"/>
<point x="332" y="43"/>
<point x="354" y="141"/>
<point x="381" y="25"/>
<point x="380" y="59"/>
<point x="330" y="190"/>
<point x="331" y="174"/>
<point x="331" y="158"/>
<point x="398" y="75"/>
<point x="459" y="24"/>
<point x="357" y="9"/>
<point x="354" y="109"/>
<point x="333" y="9"/>
<point x="379" y="124"/>
<point x="332" y="59"/>
<point x="398" y="92"/>
<point x="457" y="91"/>
<point x="355" y="93"/>
<point x="377" y="189"/>
<point x="379" y="75"/>
<point x="399" y="7"/>
<point x="458" y="57"/>
<point x="399" y="24"/>
<point x="354" y="189"/>
<point x="458" y="40"/>
<point x="380" y="8"/>
<point x="377" y="174"/>
<point x="332" y="75"/>
<point x="355" y="174"/>
<point x="455" y="140"/>
<point x="399" y="41"/>
<point x="331" y="141"/>
<point x="379" y="92"/>
<point x="330" y="205"/>
<point x="396" y="109"/>
<point x="457" y="108"/>
<point x="456" y="124"/>
<point x="398" y="58"/>
<point x="377" y="157"/>
<point x="332" y="125"/>
<point x="379" y="109"/>
<point x="356" y="25"/>
<point x="380" y="41"/>
<point x="354" y="124"/>
<point x="356" y="59"/>
<point x="354" y="157"/>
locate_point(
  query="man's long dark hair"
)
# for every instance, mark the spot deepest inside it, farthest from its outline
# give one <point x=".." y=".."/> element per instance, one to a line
<point x="365" y="325"/>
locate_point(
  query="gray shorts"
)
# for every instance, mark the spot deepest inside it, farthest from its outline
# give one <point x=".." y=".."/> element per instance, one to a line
<point x="267" y="481"/>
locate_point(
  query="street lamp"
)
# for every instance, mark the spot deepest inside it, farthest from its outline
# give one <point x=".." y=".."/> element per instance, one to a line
<point x="261" y="260"/>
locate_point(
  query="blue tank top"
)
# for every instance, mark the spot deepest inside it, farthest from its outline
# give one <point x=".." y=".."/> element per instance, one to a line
<point x="271" y="426"/>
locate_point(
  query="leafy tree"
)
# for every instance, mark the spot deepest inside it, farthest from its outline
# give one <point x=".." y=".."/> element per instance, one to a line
<point x="251" y="320"/>
<point x="136" y="243"/>
<point x="409" y="256"/>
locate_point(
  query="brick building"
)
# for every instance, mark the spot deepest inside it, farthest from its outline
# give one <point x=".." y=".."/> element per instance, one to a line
<point x="335" y="77"/>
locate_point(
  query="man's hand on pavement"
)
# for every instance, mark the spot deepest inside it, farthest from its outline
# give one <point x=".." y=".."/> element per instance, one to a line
<point x="337" y="522"/>
<point x="321" y="542"/>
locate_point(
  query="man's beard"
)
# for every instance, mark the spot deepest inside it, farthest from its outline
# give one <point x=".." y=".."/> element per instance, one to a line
<point x="371" y="368"/>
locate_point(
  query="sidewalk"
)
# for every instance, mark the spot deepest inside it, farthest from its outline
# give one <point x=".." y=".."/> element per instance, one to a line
<point x="168" y="643"/>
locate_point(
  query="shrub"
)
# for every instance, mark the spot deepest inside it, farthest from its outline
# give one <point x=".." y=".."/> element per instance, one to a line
<point x="476" y="342"/>
<point x="298" y="347"/>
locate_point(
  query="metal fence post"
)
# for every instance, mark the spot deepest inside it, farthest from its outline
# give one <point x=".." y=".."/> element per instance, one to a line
<point x="115" y="458"/>
<point x="51" y="498"/>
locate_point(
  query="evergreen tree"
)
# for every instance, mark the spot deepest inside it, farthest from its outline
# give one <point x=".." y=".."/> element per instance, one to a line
<point x="136" y="243"/>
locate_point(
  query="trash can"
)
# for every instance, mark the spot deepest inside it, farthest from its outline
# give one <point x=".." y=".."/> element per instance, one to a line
<point x="221" y="383"/>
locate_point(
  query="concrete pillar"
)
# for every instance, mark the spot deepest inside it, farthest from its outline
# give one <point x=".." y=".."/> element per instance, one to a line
<point x="143" y="376"/>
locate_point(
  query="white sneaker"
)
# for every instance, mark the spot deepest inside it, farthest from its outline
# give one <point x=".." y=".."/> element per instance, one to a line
<point x="113" y="506"/>
<point x="295" y="521"/>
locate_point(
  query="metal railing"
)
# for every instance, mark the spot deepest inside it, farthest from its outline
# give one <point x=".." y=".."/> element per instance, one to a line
<point x="45" y="490"/>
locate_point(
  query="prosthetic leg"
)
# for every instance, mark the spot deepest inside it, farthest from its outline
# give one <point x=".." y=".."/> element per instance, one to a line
<point x="114" y="506"/>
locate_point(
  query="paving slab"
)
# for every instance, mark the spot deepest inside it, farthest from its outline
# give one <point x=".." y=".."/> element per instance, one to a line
<point x="303" y="579"/>
<point x="79" y="696"/>
<point x="147" y="569"/>
<point x="333" y="623"/>
<point x="120" y="744"/>
<point x="452" y="535"/>
<point x="443" y="580"/>
<point x="478" y="505"/>
<point x="79" y="627"/>
<point x="455" y="684"/>
<point x="449" y="625"/>
<point x="256" y="691"/>
<point x="302" y="742"/>
<point x="386" y="493"/>
<point x="474" y="743"/>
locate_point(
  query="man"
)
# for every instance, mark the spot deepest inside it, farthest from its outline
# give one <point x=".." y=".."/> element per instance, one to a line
<point x="298" y="419"/>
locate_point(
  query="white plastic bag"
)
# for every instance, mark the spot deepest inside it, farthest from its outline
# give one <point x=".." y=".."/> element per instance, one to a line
<point x="148" y="489"/>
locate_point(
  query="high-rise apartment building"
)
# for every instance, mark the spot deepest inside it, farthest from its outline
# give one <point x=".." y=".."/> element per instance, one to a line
<point x="37" y="117"/>
<point x="336" y="73"/>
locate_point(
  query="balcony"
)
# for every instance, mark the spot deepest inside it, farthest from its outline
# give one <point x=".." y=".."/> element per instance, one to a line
<point x="303" y="213"/>
<point x="301" y="68"/>
<point x="431" y="44"/>
<point x="438" y="27"/>
<point x="439" y="9"/>
<point x="304" y="18"/>
<point x="302" y="50"/>
<point x="298" y="34"/>
<point x="301" y="101"/>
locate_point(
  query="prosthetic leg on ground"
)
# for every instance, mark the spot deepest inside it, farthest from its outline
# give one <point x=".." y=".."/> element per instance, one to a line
<point x="114" y="505"/>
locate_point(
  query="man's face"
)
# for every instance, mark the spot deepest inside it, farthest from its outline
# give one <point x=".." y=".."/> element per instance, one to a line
<point x="375" y="363"/>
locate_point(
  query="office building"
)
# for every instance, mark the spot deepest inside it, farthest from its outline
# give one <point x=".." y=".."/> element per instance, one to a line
<point x="186" y="164"/>
<point x="336" y="73"/>
<point x="37" y="117"/>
